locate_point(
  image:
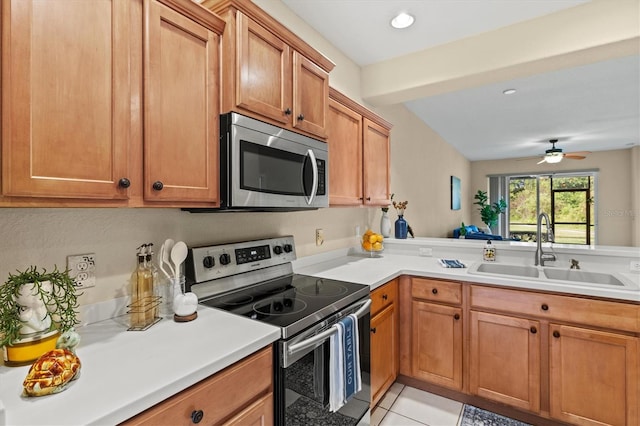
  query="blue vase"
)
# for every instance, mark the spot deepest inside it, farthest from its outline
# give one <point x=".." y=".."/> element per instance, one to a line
<point x="401" y="228"/>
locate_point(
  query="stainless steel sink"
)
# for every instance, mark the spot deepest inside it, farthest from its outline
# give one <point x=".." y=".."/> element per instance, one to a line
<point x="582" y="276"/>
<point x="502" y="269"/>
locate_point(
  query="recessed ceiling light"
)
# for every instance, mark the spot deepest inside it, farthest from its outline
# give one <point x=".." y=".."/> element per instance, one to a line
<point x="402" y="20"/>
<point x="509" y="91"/>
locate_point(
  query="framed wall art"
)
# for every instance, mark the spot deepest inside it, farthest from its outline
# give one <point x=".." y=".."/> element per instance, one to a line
<point x="456" y="193"/>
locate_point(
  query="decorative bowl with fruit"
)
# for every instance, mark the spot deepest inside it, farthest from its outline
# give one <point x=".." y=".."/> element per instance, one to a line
<point x="372" y="242"/>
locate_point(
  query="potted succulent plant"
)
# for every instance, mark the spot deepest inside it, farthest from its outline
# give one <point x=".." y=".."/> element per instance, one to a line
<point x="35" y="306"/>
<point x="489" y="212"/>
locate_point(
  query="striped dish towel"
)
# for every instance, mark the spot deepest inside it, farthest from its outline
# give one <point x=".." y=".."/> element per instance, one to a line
<point x="345" y="378"/>
<point x="451" y="263"/>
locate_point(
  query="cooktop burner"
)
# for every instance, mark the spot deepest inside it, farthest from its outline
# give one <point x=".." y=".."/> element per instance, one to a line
<point x="293" y="302"/>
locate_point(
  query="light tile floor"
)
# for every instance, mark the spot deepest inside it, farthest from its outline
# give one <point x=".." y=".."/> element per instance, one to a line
<point x="406" y="406"/>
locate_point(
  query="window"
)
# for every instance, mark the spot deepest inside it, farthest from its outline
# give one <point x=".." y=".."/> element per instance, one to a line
<point x="568" y="198"/>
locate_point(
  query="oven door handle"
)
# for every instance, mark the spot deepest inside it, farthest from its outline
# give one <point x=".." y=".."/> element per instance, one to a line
<point x="314" y="185"/>
<point x="311" y="341"/>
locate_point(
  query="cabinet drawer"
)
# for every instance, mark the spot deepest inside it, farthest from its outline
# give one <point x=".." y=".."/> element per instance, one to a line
<point x="599" y="313"/>
<point x="219" y="397"/>
<point x="436" y="290"/>
<point x="384" y="296"/>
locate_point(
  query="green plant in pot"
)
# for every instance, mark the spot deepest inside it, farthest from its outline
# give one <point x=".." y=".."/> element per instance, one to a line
<point x="35" y="306"/>
<point x="489" y="213"/>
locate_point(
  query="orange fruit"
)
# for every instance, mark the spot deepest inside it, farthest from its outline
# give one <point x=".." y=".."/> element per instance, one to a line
<point x="377" y="246"/>
<point x="367" y="246"/>
<point x="379" y="238"/>
<point x="373" y="238"/>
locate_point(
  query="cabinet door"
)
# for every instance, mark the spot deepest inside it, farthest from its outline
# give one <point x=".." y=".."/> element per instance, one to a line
<point x="436" y="345"/>
<point x="66" y="98"/>
<point x="345" y="155"/>
<point x="384" y="352"/>
<point x="594" y="376"/>
<point x="181" y="108"/>
<point x="376" y="168"/>
<point x="263" y="72"/>
<point x="311" y="96"/>
<point x="260" y="413"/>
<point x="505" y="360"/>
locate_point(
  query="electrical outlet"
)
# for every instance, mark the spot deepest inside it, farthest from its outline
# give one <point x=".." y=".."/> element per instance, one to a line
<point x="319" y="236"/>
<point x="82" y="269"/>
<point x="634" y="266"/>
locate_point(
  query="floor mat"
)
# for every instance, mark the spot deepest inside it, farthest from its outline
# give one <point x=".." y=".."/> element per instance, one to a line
<point x="473" y="416"/>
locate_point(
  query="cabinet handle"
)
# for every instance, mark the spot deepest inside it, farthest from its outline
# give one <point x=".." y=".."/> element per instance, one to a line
<point x="533" y="330"/>
<point x="456" y="317"/>
<point x="373" y="330"/>
<point x="301" y="117"/>
<point x="157" y="185"/>
<point x="556" y="334"/>
<point x="368" y="198"/>
<point x="287" y="111"/>
<point x="434" y="291"/>
<point x="197" y="416"/>
<point x="384" y="297"/>
<point x="124" y="183"/>
<point x="545" y="307"/>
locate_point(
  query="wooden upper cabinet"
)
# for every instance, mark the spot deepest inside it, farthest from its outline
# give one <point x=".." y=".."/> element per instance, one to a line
<point x="181" y="69"/>
<point x="65" y="98"/>
<point x="345" y="155"/>
<point x="263" y="72"/>
<point x="269" y="73"/>
<point x="376" y="164"/>
<point x="359" y="154"/>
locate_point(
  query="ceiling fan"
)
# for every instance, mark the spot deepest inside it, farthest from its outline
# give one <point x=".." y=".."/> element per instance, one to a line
<point x="555" y="155"/>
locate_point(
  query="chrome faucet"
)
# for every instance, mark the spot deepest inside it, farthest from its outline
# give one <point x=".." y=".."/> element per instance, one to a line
<point x="541" y="256"/>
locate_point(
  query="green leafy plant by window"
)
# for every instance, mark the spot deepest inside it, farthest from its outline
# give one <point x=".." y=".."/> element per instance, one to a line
<point x="59" y="297"/>
<point x="489" y="212"/>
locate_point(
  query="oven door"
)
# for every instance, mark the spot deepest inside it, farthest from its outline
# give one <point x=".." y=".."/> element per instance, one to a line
<point x="275" y="168"/>
<point x="302" y="375"/>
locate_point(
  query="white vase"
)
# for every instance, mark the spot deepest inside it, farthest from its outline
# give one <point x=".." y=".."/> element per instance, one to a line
<point x="487" y="230"/>
<point x="385" y="225"/>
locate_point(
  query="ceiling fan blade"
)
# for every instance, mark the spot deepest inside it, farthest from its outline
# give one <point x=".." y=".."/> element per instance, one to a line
<point x="544" y="160"/>
<point x="579" y="153"/>
<point x="573" y="156"/>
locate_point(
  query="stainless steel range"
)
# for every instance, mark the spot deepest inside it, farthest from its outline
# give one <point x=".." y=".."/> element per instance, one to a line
<point x="255" y="279"/>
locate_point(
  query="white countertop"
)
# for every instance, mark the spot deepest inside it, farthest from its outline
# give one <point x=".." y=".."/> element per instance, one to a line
<point x="401" y="257"/>
<point x="125" y="372"/>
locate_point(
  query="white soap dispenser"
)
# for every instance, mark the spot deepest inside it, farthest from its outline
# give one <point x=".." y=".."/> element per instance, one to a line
<point x="489" y="252"/>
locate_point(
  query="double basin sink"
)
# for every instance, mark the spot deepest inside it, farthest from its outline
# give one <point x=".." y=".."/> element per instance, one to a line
<point x="555" y="274"/>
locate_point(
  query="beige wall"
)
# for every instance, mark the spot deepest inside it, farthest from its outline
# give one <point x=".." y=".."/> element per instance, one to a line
<point x="635" y="190"/>
<point x="615" y="195"/>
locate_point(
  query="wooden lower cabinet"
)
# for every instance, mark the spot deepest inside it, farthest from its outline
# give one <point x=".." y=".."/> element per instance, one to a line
<point x="241" y="394"/>
<point x="436" y="343"/>
<point x="593" y="376"/>
<point x="384" y="339"/>
<point x="504" y="359"/>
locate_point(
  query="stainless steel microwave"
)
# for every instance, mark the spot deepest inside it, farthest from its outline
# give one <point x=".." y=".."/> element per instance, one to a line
<point x="264" y="167"/>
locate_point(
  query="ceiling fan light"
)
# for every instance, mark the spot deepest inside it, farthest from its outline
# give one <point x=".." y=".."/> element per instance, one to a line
<point x="402" y="20"/>
<point x="554" y="158"/>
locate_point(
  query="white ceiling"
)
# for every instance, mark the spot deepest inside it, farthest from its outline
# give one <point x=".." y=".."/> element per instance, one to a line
<point x="588" y="108"/>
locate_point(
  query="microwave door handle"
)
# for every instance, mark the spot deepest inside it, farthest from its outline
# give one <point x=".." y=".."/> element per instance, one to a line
<point x="314" y="186"/>
<point x="320" y="337"/>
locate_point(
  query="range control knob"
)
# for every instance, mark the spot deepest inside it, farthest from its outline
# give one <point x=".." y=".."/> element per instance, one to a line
<point x="225" y="259"/>
<point x="277" y="249"/>
<point x="208" y="262"/>
<point x="288" y="248"/>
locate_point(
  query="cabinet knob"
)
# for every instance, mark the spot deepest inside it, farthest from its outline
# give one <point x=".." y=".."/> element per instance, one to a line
<point x="384" y="297"/>
<point x="544" y="307"/>
<point x="157" y="185"/>
<point x="533" y="330"/>
<point x="556" y="334"/>
<point x="373" y="330"/>
<point x="124" y="183"/>
<point x="197" y="416"/>
<point x="301" y="117"/>
<point x="287" y="111"/>
<point x="434" y="291"/>
<point x="456" y="317"/>
<point x="368" y="198"/>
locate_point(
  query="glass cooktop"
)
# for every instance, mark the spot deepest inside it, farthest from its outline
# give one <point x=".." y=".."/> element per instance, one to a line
<point x="293" y="302"/>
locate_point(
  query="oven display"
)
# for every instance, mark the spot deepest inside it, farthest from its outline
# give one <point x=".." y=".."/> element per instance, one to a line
<point x="252" y="254"/>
